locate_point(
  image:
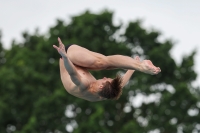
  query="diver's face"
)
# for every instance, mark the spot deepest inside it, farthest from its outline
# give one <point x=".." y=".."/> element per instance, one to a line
<point x="102" y="82"/>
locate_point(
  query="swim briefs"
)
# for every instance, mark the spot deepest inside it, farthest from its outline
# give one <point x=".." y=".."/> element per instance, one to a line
<point x="67" y="47"/>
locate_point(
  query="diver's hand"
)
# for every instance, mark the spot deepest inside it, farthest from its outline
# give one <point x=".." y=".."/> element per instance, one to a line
<point x="61" y="48"/>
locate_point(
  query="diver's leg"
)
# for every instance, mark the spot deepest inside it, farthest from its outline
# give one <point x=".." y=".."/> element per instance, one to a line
<point x="83" y="57"/>
<point x="86" y="58"/>
<point x="91" y="60"/>
<point x="126" y="62"/>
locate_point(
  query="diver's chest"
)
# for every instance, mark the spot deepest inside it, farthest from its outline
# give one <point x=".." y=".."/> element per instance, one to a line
<point x="84" y="73"/>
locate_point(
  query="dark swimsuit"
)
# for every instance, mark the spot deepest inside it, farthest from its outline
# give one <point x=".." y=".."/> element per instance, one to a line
<point x="66" y="47"/>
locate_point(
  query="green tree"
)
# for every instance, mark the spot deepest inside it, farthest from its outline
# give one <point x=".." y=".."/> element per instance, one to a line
<point x="2" y="60"/>
<point x="172" y="112"/>
<point x="32" y="98"/>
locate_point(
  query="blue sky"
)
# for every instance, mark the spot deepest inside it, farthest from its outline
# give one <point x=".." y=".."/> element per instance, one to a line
<point x="175" y="19"/>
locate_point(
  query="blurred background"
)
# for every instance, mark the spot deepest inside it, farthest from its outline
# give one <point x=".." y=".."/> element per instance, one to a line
<point x="32" y="98"/>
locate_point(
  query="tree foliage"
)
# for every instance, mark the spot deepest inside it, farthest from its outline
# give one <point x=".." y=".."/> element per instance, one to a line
<point x="32" y="97"/>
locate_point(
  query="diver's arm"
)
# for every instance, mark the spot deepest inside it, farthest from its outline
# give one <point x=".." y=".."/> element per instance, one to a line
<point x="126" y="77"/>
<point x="71" y="69"/>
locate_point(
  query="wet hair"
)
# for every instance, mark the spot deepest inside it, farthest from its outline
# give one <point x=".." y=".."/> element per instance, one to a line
<point x="112" y="90"/>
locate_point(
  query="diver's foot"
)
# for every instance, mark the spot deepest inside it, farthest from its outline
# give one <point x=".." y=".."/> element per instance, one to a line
<point x="149" y="68"/>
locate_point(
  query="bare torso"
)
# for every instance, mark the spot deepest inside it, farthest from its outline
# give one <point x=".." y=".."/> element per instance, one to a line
<point x="79" y="91"/>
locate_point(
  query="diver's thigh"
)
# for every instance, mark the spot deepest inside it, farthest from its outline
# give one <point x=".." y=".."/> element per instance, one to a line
<point x="81" y="56"/>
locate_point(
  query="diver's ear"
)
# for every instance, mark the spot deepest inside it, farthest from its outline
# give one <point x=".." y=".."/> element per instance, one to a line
<point x="101" y="86"/>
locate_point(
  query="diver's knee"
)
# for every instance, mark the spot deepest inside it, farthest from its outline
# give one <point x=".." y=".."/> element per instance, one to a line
<point x="102" y="63"/>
